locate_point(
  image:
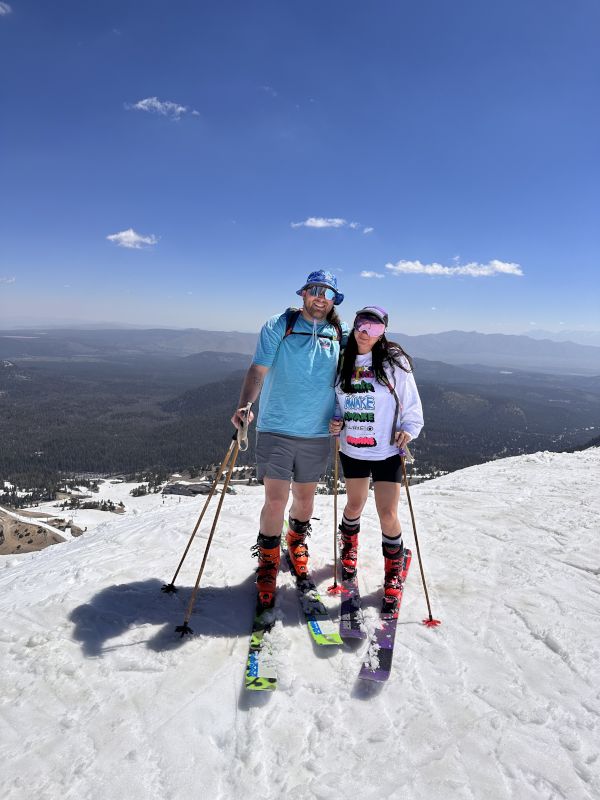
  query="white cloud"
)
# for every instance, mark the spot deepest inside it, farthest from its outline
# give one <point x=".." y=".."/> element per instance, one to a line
<point x="4" y="9"/>
<point x="472" y="270"/>
<point x="329" y="222"/>
<point x="367" y="273"/>
<point x="321" y="222"/>
<point x="164" y="107"/>
<point x="7" y="280"/>
<point x="131" y="239"/>
<point x="269" y="90"/>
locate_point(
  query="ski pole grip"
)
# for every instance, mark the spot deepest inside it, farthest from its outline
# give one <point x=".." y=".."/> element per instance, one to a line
<point x="242" y="431"/>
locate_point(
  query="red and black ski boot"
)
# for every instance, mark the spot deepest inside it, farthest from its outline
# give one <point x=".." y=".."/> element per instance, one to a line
<point x="392" y="584"/>
<point x="348" y="554"/>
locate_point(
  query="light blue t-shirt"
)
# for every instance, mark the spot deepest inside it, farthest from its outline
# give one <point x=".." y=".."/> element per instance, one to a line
<point x="297" y="398"/>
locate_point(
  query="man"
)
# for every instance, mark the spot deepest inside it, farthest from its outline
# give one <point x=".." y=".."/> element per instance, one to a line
<point x="293" y="370"/>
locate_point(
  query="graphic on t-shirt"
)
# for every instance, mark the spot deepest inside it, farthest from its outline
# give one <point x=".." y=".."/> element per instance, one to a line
<point x="359" y="416"/>
<point x="363" y="386"/>
<point x="360" y="384"/>
<point x="352" y="401"/>
<point x="362" y="441"/>
<point x="360" y="373"/>
<point x="359" y="407"/>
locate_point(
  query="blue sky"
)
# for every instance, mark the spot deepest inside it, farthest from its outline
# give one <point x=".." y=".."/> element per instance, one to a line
<point x="187" y="164"/>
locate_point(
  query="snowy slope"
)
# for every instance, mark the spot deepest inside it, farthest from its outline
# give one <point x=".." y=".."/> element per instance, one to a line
<point x="100" y="699"/>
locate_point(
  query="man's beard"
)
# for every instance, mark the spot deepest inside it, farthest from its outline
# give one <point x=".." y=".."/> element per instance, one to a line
<point x="316" y="313"/>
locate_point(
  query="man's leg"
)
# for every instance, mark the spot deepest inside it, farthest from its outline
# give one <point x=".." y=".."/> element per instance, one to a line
<point x="277" y="493"/>
<point x="268" y="545"/>
<point x="303" y="499"/>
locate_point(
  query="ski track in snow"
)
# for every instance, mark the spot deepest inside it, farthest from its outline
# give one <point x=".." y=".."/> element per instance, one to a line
<point x="100" y="698"/>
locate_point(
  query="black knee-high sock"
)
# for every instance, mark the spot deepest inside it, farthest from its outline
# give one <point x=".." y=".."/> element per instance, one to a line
<point x="350" y="526"/>
<point x="392" y="546"/>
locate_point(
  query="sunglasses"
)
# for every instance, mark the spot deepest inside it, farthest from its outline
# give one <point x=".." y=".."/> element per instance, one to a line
<point x="370" y="327"/>
<point x="320" y="291"/>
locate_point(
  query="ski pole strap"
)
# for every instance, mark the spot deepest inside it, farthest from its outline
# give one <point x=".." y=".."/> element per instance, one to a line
<point x="242" y="431"/>
<point x="396" y="410"/>
<point x="406" y="454"/>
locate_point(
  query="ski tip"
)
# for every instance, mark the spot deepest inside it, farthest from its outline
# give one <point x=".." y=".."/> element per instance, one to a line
<point x="257" y="684"/>
<point x="432" y="623"/>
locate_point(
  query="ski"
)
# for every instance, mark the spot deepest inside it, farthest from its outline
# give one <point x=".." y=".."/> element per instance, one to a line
<point x="320" y="625"/>
<point x="352" y="624"/>
<point x="261" y="672"/>
<point x="378" y="663"/>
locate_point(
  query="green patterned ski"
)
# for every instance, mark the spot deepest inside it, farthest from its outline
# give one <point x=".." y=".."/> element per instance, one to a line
<point x="320" y="625"/>
<point x="261" y="671"/>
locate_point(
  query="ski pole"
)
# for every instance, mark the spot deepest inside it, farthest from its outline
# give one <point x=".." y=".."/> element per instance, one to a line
<point x="185" y="628"/>
<point x="335" y="588"/>
<point x="242" y="437"/>
<point x="170" y="587"/>
<point x="431" y="622"/>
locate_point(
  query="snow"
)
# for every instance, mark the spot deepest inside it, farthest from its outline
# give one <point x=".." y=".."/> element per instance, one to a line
<point x="107" y="490"/>
<point x="99" y="698"/>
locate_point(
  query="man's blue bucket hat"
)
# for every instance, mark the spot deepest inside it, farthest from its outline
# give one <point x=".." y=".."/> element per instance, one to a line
<point x="322" y="277"/>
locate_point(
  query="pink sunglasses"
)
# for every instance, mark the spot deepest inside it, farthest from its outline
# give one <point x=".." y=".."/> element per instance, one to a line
<point x="369" y="327"/>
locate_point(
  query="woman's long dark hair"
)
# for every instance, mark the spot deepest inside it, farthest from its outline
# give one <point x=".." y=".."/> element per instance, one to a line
<point x="383" y="352"/>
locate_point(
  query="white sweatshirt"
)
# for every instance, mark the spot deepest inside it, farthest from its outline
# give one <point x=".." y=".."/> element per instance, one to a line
<point x="369" y="411"/>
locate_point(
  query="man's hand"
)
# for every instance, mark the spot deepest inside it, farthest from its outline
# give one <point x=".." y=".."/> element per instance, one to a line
<point x="240" y="416"/>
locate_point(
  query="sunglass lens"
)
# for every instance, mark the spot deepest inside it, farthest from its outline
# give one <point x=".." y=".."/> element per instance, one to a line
<point x="321" y="291"/>
<point x="370" y="327"/>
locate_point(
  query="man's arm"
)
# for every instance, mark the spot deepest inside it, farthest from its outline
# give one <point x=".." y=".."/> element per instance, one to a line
<point x="250" y="390"/>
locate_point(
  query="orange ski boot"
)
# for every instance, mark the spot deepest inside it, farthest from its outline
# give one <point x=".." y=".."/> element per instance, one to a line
<point x="296" y="543"/>
<point x="268" y="551"/>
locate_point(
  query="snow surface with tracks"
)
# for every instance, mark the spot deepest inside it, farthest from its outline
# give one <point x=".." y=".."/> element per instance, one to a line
<point x="100" y="698"/>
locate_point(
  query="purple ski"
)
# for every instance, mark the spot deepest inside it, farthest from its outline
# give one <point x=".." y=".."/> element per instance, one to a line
<point x="378" y="661"/>
<point x="351" y="616"/>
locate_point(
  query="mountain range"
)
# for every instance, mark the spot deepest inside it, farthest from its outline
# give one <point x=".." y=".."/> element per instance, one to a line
<point x="453" y="347"/>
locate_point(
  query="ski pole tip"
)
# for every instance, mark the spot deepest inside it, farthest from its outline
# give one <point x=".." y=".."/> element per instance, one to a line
<point x="337" y="588"/>
<point x="432" y="623"/>
<point x="183" y="629"/>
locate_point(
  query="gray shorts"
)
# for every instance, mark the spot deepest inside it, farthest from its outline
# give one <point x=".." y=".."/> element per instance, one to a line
<point x="288" y="458"/>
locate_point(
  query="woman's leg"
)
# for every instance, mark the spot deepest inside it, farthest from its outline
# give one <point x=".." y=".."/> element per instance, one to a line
<point x="387" y="495"/>
<point x="357" y="491"/>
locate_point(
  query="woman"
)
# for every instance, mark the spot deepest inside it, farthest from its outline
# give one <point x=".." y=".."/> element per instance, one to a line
<point x="378" y="412"/>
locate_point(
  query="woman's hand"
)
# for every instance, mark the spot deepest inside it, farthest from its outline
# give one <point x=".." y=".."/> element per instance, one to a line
<point x="402" y="438"/>
<point x="335" y="426"/>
